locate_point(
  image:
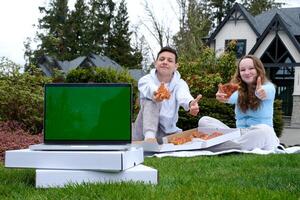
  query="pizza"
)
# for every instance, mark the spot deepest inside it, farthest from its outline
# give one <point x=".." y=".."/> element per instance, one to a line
<point x="205" y="136"/>
<point x="180" y="140"/>
<point x="195" y="134"/>
<point x="162" y="92"/>
<point x="228" y="88"/>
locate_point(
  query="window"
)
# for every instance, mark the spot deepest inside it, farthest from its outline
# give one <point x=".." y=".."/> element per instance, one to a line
<point x="239" y="46"/>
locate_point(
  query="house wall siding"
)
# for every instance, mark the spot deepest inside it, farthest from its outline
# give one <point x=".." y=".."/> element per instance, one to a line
<point x="232" y="30"/>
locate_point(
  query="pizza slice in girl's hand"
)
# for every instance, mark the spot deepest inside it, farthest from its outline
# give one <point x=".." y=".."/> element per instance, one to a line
<point x="228" y="88"/>
<point x="162" y="92"/>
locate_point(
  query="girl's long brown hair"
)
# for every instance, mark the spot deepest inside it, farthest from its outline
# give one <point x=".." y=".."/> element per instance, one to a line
<point x="247" y="99"/>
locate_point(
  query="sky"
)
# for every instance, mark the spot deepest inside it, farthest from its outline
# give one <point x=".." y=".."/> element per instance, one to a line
<point x="17" y="18"/>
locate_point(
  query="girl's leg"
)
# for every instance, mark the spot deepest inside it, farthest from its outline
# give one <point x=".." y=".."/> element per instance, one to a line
<point x="210" y="122"/>
<point x="259" y="136"/>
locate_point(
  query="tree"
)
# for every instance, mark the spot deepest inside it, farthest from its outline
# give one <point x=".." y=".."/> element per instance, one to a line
<point x="140" y="45"/>
<point x="256" y="7"/>
<point x="197" y="24"/>
<point x="220" y="9"/>
<point x="55" y="20"/>
<point x="90" y="28"/>
<point x="99" y="22"/>
<point x="119" y="48"/>
<point x="53" y="28"/>
<point x="78" y="30"/>
<point x="157" y="29"/>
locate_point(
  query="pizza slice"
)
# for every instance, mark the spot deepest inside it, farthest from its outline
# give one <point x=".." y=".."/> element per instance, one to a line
<point x="162" y="92"/>
<point x="228" y="88"/>
<point x="195" y="134"/>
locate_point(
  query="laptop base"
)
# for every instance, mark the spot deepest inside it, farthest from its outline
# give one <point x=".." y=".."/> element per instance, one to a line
<point x="90" y="147"/>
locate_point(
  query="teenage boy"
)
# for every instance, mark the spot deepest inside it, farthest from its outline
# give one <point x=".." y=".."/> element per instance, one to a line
<point x="158" y="114"/>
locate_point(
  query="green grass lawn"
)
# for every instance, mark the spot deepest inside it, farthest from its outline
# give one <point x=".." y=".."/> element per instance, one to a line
<point x="233" y="176"/>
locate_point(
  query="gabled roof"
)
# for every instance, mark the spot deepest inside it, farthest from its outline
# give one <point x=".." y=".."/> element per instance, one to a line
<point x="104" y="62"/>
<point x="137" y="73"/>
<point x="67" y="66"/>
<point x="47" y="63"/>
<point x="236" y="8"/>
<point x="289" y="16"/>
<point x="285" y="26"/>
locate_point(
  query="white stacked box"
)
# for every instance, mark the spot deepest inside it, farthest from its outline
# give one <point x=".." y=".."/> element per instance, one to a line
<point x="82" y="160"/>
<point x="60" y="178"/>
<point x="58" y="168"/>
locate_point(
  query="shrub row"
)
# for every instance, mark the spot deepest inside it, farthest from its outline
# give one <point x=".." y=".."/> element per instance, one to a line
<point x="21" y="96"/>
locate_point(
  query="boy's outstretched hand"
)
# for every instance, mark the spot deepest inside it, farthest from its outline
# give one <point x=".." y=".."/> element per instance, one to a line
<point x="194" y="107"/>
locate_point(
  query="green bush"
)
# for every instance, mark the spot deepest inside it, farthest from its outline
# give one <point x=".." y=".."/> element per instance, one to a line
<point x="206" y="85"/>
<point x="278" y="117"/>
<point x="21" y="96"/>
<point x="207" y="71"/>
<point x="208" y="107"/>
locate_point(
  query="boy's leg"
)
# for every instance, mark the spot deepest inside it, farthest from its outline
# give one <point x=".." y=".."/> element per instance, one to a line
<point x="147" y="120"/>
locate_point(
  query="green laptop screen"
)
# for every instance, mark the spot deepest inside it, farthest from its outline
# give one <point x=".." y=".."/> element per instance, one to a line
<point x="87" y="113"/>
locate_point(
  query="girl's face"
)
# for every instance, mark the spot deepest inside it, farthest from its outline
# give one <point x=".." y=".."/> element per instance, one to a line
<point x="166" y="64"/>
<point x="247" y="71"/>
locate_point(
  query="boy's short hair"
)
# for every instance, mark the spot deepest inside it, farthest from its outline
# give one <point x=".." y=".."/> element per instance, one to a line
<point x="168" y="49"/>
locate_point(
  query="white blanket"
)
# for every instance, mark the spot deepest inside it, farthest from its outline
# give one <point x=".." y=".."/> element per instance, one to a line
<point x="290" y="150"/>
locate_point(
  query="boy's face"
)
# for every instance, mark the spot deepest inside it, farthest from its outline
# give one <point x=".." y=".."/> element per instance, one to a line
<point x="166" y="64"/>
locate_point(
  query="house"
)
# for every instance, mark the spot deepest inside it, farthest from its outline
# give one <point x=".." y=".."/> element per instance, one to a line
<point x="274" y="37"/>
<point x="47" y="64"/>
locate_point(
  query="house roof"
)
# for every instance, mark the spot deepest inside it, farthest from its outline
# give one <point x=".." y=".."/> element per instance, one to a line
<point x="47" y="63"/>
<point x="259" y="23"/>
<point x="67" y="66"/>
<point x="289" y="16"/>
<point x="104" y="62"/>
<point x="239" y="8"/>
<point x="276" y="19"/>
<point x="137" y="73"/>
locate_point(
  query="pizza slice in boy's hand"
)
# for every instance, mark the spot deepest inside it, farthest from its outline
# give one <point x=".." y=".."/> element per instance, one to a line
<point x="162" y="93"/>
<point x="228" y="88"/>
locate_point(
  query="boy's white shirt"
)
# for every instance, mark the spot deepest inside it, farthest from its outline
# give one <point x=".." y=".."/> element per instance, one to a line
<point x="180" y="96"/>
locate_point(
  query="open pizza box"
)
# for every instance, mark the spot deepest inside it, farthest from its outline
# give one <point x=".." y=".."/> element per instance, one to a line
<point x="195" y="143"/>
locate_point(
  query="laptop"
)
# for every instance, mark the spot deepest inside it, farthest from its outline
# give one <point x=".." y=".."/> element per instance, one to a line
<point x="87" y="116"/>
